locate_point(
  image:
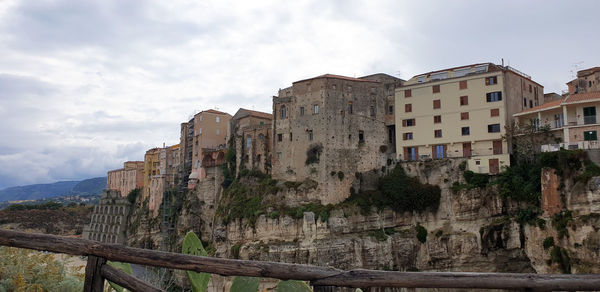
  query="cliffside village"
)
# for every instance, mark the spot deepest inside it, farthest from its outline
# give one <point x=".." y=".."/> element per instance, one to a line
<point x="330" y="124"/>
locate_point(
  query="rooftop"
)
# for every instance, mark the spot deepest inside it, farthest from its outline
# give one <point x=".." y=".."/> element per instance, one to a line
<point x="337" y="77"/>
<point x="212" y="111"/>
<point x="258" y="114"/>
<point x="570" y="99"/>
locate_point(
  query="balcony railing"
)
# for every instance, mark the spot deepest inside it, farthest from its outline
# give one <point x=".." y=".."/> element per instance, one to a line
<point x="586" y="145"/>
<point x="587" y="120"/>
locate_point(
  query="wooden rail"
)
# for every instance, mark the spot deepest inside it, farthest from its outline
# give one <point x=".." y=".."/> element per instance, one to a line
<point x="97" y="253"/>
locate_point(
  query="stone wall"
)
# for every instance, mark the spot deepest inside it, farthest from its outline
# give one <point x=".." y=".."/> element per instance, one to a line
<point x="108" y="219"/>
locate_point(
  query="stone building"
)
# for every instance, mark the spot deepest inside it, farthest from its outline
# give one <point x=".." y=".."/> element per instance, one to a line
<point x="210" y="131"/>
<point x="162" y="166"/>
<point x="252" y="130"/>
<point x="587" y="80"/>
<point x="108" y="219"/>
<point x="126" y="179"/>
<point x="462" y="112"/>
<point x="329" y="128"/>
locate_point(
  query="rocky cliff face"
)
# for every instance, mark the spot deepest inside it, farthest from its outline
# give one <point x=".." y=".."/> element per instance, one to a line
<point x="473" y="230"/>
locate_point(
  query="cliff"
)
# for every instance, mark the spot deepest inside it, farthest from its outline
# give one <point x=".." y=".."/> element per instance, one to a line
<point x="473" y="229"/>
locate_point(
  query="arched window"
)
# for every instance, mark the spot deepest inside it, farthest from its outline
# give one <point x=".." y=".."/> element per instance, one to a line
<point x="261" y="136"/>
<point x="248" y="141"/>
<point x="283" y="112"/>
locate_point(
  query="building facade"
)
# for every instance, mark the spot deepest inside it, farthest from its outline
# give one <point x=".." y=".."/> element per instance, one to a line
<point x="328" y="125"/>
<point x="462" y="112"/>
<point x="253" y="132"/>
<point x="126" y="179"/>
<point x="162" y="166"/>
<point x="109" y="219"/>
<point x="573" y="121"/>
<point x="211" y="133"/>
<point x="587" y="80"/>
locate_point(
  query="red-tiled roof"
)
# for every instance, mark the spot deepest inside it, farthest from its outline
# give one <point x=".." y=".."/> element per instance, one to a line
<point x="573" y="98"/>
<point x="338" y="77"/>
<point x="212" y="111"/>
<point x="541" y="107"/>
<point x="586" y="72"/>
<point x="578" y="97"/>
<point x="258" y="114"/>
<point x="454" y="68"/>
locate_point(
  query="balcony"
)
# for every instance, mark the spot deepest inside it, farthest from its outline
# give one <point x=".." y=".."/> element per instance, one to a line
<point x="588" y="120"/>
<point x="584" y="145"/>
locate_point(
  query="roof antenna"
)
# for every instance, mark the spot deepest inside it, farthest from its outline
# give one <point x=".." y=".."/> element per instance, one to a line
<point x="502" y="62"/>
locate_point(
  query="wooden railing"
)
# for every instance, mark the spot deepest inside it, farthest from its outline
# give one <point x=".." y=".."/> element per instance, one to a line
<point x="321" y="278"/>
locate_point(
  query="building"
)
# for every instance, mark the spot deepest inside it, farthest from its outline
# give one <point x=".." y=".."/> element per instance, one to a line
<point x="462" y="112"/>
<point x="211" y="132"/>
<point x="109" y="219"/>
<point x="162" y="166"/>
<point x="126" y="179"/>
<point x="328" y="128"/>
<point x="587" y="80"/>
<point x="573" y="121"/>
<point x="253" y="132"/>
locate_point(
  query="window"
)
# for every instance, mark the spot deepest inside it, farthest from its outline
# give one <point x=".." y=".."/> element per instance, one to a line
<point x="390" y="110"/>
<point x="411" y="153"/>
<point x="491" y="80"/>
<point x="589" y="115"/>
<point x="437" y="104"/>
<point x="407" y="136"/>
<point x="301" y="110"/>
<point x="361" y="136"/>
<point x="248" y="142"/>
<point x="437" y="119"/>
<point x="436" y="88"/>
<point x="407" y="93"/>
<point x="464" y="116"/>
<point x="291" y="139"/>
<point x="310" y="135"/>
<point x="494" y="96"/>
<point x="218" y="119"/>
<point x="530" y="90"/>
<point x="524" y="102"/>
<point x="462" y="84"/>
<point x="350" y="107"/>
<point x="530" y="103"/>
<point x="494" y="128"/>
<point x="590" y="136"/>
<point x="372" y="110"/>
<point x="279" y="155"/>
<point x="315" y="109"/>
<point x="494" y="112"/>
<point x="199" y="131"/>
<point x="408" y="108"/>
<point x="218" y="132"/>
<point x="497" y="147"/>
<point x="590" y="83"/>
<point x="408" y="122"/>
<point x="465" y="131"/>
<point x="464" y="100"/>
<point x="439" y="151"/>
<point x="283" y="113"/>
<point x="279" y="137"/>
<point x="261" y="136"/>
<point x="437" y="133"/>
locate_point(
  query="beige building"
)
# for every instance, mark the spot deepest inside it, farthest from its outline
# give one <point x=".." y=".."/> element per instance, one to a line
<point x="462" y="112"/>
<point x="329" y="128"/>
<point x="252" y="130"/>
<point x="572" y="120"/>
<point x="211" y="132"/>
<point x="587" y="80"/>
<point x="126" y="179"/>
<point x="161" y="165"/>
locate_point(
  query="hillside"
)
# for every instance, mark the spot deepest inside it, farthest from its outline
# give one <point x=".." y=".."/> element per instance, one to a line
<point x="42" y="191"/>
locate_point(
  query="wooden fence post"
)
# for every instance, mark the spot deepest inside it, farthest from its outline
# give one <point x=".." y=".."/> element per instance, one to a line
<point x="94" y="282"/>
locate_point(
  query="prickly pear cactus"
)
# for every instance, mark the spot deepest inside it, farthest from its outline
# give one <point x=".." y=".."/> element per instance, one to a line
<point x="244" y="284"/>
<point x="292" y="286"/>
<point x="193" y="246"/>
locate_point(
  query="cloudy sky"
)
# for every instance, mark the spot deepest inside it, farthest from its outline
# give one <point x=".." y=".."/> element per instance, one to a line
<point x="86" y="85"/>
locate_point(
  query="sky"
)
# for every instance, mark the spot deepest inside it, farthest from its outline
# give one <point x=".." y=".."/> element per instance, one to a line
<point x="86" y="85"/>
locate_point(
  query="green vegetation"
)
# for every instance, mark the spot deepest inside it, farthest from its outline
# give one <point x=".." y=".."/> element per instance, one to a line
<point x="421" y="233"/>
<point x="439" y="233"/>
<point x="41" y="206"/>
<point x="235" y="250"/>
<point x="560" y="256"/>
<point x="462" y="166"/>
<point x="548" y="242"/>
<point x="132" y="196"/>
<point x="27" y="270"/>
<point x="560" y="222"/>
<point x="475" y="180"/>
<point x="193" y="246"/>
<point x="313" y="153"/>
<point x="400" y="192"/>
<point x="528" y="215"/>
<point x="229" y="166"/>
<point x="244" y="284"/>
<point x="292" y="286"/>
<point x="378" y="234"/>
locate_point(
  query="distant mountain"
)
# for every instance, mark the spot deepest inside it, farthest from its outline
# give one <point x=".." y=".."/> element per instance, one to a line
<point x="41" y="191"/>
